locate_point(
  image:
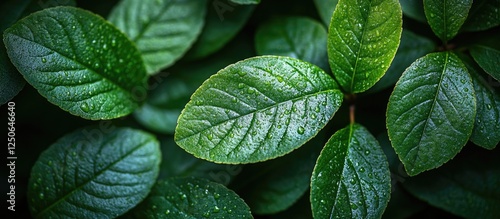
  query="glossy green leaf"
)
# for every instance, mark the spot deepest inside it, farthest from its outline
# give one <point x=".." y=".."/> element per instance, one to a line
<point x="466" y="186"/>
<point x="413" y="9"/>
<point x="163" y="30"/>
<point x="94" y="173"/>
<point x="325" y="9"/>
<point x="78" y="61"/>
<point x="487" y="125"/>
<point x="431" y="112"/>
<point x="488" y="58"/>
<point x="484" y="14"/>
<point x="178" y="163"/>
<point x="219" y="29"/>
<point x="280" y="182"/>
<point x="351" y="178"/>
<point x="246" y="2"/>
<point x="297" y="37"/>
<point x="191" y="198"/>
<point x="411" y="48"/>
<point x="362" y="41"/>
<point x="446" y="17"/>
<point x="11" y="81"/>
<point x="257" y="109"/>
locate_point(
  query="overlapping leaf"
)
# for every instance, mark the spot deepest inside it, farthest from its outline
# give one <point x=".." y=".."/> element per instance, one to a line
<point x="246" y="2"/>
<point x="163" y="30"/>
<point x="446" y="17"/>
<point x="488" y="58"/>
<point x="325" y="9"/>
<point x="431" y="112"/>
<point x="413" y="9"/>
<point x="351" y="178"/>
<point x="94" y="173"/>
<point x="362" y="41"/>
<point x="257" y="109"/>
<point x="484" y="14"/>
<point x="78" y="61"/>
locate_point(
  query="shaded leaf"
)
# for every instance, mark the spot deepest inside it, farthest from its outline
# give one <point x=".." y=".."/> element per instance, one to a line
<point x="257" y="109"/>
<point x="191" y="198"/>
<point x="163" y="30"/>
<point x="362" y="41"/>
<point x="297" y="37"/>
<point x="488" y="58"/>
<point x="484" y="14"/>
<point x="325" y="9"/>
<point x="11" y="81"/>
<point x="446" y="17"/>
<point x="77" y="61"/>
<point x="246" y="2"/>
<point x="413" y="9"/>
<point x="351" y="178"/>
<point x="94" y="173"/>
<point x="431" y="112"/>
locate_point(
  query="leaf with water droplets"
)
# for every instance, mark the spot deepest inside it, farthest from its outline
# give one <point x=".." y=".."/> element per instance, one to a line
<point x="484" y="14"/>
<point x="94" y="173"/>
<point x="193" y="198"/>
<point x="446" y="17"/>
<point x="67" y="54"/>
<point x="257" y="109"/>
<point x="488" y="58"/>
<point x="362" y="41"/>
<point x="431" y="112"/>
<point x="351" y="178"/>
<point x="163" y="30"/>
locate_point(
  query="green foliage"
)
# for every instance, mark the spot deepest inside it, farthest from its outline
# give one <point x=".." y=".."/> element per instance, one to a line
<point x="261" y="109"/>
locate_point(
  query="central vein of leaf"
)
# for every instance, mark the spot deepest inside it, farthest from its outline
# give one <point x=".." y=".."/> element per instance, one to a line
<point x="363" y="34"/>
<point x="153" y="20"/>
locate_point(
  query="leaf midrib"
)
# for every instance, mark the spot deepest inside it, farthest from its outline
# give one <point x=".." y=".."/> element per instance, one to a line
<point x="153" y="19"/>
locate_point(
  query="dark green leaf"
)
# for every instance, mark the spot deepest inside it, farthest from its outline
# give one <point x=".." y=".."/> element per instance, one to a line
<point x="163" y="30"/>
<point x="413" y="9"/>
<point x="246" y="2"/>
<point x="297" y="37"/>
<point x="362" y="41"/>
<point x="446" y="17"/>
<point x="257" y="109"/>
<point x="351" y="178"/>
<point x="466" y="186"/>
<point x="484" y="14"/>
<point x="191" y="198"/>
<point x="78" y="61"/>
<point x="219" y="29"/>
<point x="411" y="48"/>
<point x="488" y="58"/>
<point x="487" y="125"/>
<point x="11" y="81"/>
<point x="325" y="9"/>
<point x="431" y="112"/>
<point x="94" y="173"/>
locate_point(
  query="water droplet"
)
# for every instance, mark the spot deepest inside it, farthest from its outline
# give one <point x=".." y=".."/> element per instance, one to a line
<point x="466" y="89"/>
<point x="463" y="81"/>
<point x="362" y="169"/>
<point x="269" y="135"/>
<point x="216" y="209"/>
<point x="41" y="196"/>
<point x="317" y="109"/>
<point x="313" y="116"/>
<point x="113" y="42"/>
<point x="367" y="152"/>
<point x="242" y="73"/>
<point x="234" y="100"/>
<point x="206" y="214"/>
<point x="96" y="65"/>
<point x="251" y="90"/>
<point x="241" y="85"/>
<point x="280" y="79"/>
<point x="210" y="137"/>
<point x="489" y="106"/>
<point x="105" y="46"/>
<point x="73" y="27"/>
<point x="216" y="195"/>
<point x="44" y="60"/>
<point x="354" y="206"/>
<point x="85" y="107"/>
<point x="352" y="181"/>
<point x="301" y="130"/>
<point x="167" y="212"/>
<point x="120" y="60"/>
<point x="94" y="41"/>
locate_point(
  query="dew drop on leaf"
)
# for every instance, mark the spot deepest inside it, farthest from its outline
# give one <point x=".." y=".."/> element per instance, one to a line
<point x="301" y="130"/>
<point x="85" y="107"/>
<point x="44" y="60"/>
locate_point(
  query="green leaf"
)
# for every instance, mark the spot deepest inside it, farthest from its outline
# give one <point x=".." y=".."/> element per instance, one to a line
<point x="431" y="112"/>
<point x="219" y="29"/>
<point x="177" y="163"/>
<point x="191" y="198"/>
<point x="484" y="14"/>
<point x="94" y="173"/>
<point x="487" y="124"/>
<point x="325" y="9"/>
<point x="362" y="41"/>
<point x="297" y="37"/>
<point x="466" y="186"/>
<point x="351" y="178"/>
<point x="11" y="81"/>
<point x="257" y="109"/>
<point x="411" y="48"/>
<point x="446" y="17"/>
<point x="488" y="58"/>
<point x="246" y="2"/>
<point x="78" y="61"/>
<point x="273" y="186"/>
<point x="413" y="9"/>
<point x="163" y="30"/>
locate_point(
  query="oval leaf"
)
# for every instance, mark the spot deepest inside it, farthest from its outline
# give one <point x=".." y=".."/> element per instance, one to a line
<point x="192" y="198"/>
<point x="325" y="9"/>
<point x="163" y="30"/>
<point x="431" y="112"/>
<point x="94" y="173"/>
<point x="351" y="178"/>
<point x="257" y="109"/>
<point x="484" y="14"/>
<point x="78" y="61"/>
<point x="297" y="37"/>
<point x="446" y="17"/>
<point x="362" y="41"/>
<point x="488" y="58"/>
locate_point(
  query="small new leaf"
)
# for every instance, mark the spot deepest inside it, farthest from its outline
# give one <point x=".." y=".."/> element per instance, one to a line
<point x="351" y="178"/>
<point x="362" y="41"/>
<point x="431" y="112"/>
<point x="257" y="109"/>
<point x="446" y="17"/>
